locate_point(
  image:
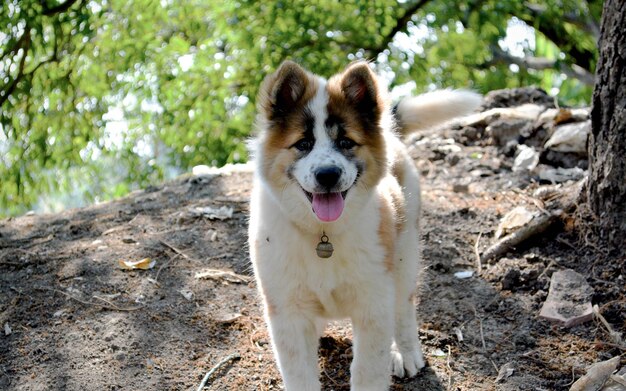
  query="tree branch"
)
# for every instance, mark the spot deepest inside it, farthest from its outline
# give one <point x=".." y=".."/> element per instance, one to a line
<point x="401" y="25"/>
<point x="47" y="11"/>
<point x="586" y="23"/>
<point x="19" y="44"/>
<point x="556" y="33"/>
<point x="542" y="63"/>
<point x="20" y="72"/>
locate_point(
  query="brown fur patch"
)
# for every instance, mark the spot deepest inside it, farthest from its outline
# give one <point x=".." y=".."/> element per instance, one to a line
<point x="399" y="207"/>
<point x="306" y="302"/>
<point x="286" y="125"/>
<point x="271" y="308"/>
<point x="387" y="233"/>
<point x="362" y="128"/>
<point x="397" y="170"/>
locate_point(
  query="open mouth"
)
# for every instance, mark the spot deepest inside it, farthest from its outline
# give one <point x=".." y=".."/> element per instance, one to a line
<point x="327" y="206"/>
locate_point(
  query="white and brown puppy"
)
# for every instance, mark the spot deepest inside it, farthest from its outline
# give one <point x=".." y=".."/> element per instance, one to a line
<point x="330" y="168"/>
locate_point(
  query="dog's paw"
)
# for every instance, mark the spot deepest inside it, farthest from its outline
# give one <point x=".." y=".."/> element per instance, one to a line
<point x="406" y="363"/>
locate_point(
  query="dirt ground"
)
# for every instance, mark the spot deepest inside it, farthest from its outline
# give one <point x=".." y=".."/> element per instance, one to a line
<point x="73" y="319"/>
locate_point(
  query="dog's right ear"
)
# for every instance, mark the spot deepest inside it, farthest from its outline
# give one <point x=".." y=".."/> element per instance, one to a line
<point x="283" y="90"/>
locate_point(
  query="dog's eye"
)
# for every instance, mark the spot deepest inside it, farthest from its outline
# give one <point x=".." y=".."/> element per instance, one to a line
<point x="305" y="144"/>
<point x="345" y="143"/>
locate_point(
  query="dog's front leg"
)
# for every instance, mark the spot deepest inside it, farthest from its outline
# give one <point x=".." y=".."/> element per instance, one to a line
<point x="294" y="338"/>
<point x="373" y="332"/>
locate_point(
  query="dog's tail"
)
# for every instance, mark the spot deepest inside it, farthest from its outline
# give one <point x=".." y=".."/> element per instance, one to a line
<point x="434" y="108"/>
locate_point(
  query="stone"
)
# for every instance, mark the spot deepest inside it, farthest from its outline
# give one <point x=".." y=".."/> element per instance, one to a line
<point x="518" y="217"/>
<point x="503" y="130"/>
<point x="526" y="160"/>
<point x="568" y="301"/>
<point x="596" y="376"/>
<point x="517" y="96"/>
<point x="559" y="174"/>
<point x="570" y="138"/>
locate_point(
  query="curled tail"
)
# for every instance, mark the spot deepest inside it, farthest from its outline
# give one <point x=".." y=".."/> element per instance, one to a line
<point x="433" y="108"/>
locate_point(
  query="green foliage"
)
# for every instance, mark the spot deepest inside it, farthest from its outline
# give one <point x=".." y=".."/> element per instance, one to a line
<point x="100" y="97"/>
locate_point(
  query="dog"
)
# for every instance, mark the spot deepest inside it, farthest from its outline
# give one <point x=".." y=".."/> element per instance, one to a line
<point x="334" y="218"/>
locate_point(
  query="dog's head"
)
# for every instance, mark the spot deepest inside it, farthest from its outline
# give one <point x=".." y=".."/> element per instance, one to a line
<point x="321" y="142"/>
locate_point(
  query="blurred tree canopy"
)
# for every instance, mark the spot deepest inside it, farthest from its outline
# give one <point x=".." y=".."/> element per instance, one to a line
<point x="98" y="97"/>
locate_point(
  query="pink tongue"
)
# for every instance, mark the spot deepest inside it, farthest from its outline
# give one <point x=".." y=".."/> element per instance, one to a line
<point x="327" y="206"/>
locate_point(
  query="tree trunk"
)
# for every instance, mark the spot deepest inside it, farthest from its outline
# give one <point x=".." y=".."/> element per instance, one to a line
<point x="606" y="190"/>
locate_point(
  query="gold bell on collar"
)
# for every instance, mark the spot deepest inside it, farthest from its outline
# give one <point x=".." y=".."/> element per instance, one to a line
<point x="324" y="248"/>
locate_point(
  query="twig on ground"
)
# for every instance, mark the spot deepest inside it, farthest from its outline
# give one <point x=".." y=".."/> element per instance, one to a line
<point x="482" y="336"/>
<point x="449" y="370"/>
<point x="479" y="264"/>
<point x="567" y="243"/>
<point x="108" y="306"/>
<point x="47" y="239"/>
<point x="156" y="278"/>
<point x="177" y="251"/>
<point x="536" y="226"/>
<point x="616" y="337"/>
<point x="338" y="385"/>
<point x="552" y="263"/>
<point x="116" y="229"/>
<point x="480" y="325"/>
<point x="573" y="378"/>
<point x="234" y="356"/>
<point x="113" y="306"/>
<point x="223" y="275"/>
<point x="539" y="204"/>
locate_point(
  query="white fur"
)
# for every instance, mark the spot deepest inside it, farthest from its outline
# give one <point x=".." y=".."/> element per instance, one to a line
<point x="432" y="108"/>
<point x="302" y="291"/>
<point x="353" y="283"/>
<point x="323" y="153"/>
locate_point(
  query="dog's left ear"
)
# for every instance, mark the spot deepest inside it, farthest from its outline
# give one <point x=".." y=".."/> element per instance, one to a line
<point x="360" y="88"/>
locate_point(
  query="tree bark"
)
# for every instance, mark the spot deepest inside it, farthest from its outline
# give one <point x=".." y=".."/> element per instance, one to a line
<point x="606" y="190"/>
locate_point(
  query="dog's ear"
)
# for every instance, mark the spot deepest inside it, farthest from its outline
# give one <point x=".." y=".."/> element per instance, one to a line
<point x="283" y="90"/>
<point x="291" y="84"/>
<point x="361" y="90"/>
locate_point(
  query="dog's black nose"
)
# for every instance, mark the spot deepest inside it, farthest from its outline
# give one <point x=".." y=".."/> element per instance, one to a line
<point x="328" y="177"/>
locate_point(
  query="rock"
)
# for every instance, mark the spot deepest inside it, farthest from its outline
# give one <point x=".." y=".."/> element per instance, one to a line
<point x="222" y="213"/>
<point x="187" y="294"/>
<point x="464" y="274"/>
<point x="505" y="371"/>
<point x="563" y="159"/>
<point x="596" y="375"/>
<point x="511" y="279"/>
<point x="452" y="159"/>
<point x="524" y="114"/>
<point x="552" y="117"/>
<point x="568" y="301"/>
<point x="570" y="138"/>
<point x="516" y="218"/>
<point x="517" y="96"/>
<point x="526" y="160"/>
<point x="471" y="133"/>
<point x="504" y="130"/>
<point x="616" y="382"/>
<point x="558" y="175"/>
